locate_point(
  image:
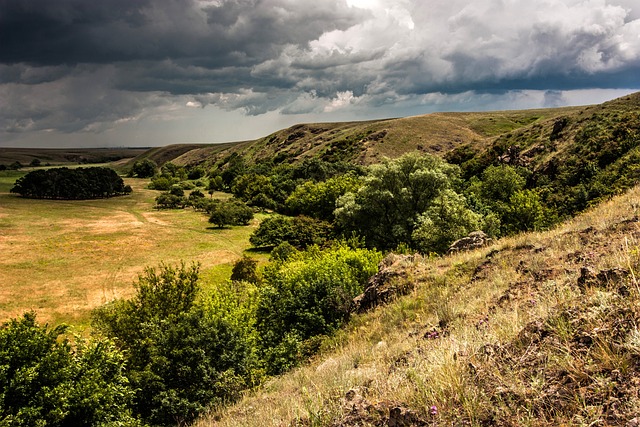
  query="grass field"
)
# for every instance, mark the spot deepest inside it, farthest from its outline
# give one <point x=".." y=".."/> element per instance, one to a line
<point x="63" y="258"/>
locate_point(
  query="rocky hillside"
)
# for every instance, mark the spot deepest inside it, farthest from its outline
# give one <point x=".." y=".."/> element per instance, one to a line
<point x="538" y="329"/>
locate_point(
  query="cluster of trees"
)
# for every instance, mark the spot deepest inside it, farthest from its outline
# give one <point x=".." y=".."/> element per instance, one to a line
<point x="170" y="352"/>
<point x="416" y="201"/>
<point x="71" y="184"/>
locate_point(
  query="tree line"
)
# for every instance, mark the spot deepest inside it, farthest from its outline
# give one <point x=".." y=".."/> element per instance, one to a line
<point x="71" y="184"/>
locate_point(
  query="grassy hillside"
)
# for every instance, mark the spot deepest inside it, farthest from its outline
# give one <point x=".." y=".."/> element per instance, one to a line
<point x="365" y="142"/>
<point x="538" y="329"/>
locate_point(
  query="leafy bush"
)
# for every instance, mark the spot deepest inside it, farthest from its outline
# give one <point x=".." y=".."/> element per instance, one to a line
<point x="161" y="183"/>
<point x="299" y="231"/>
<point x="306" y="296"/>
<point x="176" y="190"/>
<point x="181" y="357"/>
<point x="145" y="168"/>
<point x="170" y="201"/>
<point x="245" y="269"/>
<point x="318" y="200"/>
<point x="231" y="212"/>
<point x="44" y="380"/>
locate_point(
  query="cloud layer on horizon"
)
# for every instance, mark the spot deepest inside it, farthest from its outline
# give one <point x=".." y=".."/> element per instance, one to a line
<point x="76" y="66"/>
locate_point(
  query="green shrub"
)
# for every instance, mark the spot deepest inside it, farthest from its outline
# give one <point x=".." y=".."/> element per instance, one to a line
<point x="300" y="232"/>
<point x="45" y="380"/>
<point x="306" y="296"/>
<point x="231" y="212"/>
<point x="181" y="357"/>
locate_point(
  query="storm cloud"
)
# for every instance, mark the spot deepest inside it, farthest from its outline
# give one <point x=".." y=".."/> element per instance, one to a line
<point x="76" y="66"/>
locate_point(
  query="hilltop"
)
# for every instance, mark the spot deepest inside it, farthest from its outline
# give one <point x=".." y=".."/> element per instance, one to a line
<point x="365" y="142"/>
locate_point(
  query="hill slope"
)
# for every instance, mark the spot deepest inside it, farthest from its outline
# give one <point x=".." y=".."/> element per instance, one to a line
<point x="365" y="142"/>
<point x="539" y="329"/>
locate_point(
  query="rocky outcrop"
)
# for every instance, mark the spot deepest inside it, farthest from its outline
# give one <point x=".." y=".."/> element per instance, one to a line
<point x="474" y="240"/>
<point x="391" y="281"/>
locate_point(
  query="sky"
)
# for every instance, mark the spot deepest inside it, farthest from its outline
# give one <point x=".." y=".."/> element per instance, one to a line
<point x="113" y="73"/>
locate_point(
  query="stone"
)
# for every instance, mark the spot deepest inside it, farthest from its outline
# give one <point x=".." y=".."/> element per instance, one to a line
<point x="474" y="240"/>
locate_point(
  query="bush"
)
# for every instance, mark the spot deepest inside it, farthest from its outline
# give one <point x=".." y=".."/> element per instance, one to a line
<point x="307" y="296"/>
<point x="232" y="212"/>
<point x="176" y="190"/>
<point x="298" y="231"/>
<point x="170" y="201"/>
<point x="181" y="357"/>
<point x="245" y="269"/>
<point x="161" y="183"/>
<point x="44" y="380"/>
<point x="144" y="168"/>
<point x="318" y="200"/>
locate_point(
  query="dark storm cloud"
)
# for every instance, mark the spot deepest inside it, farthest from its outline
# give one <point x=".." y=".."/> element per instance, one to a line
<point x="79" y="65"/>
<point x="45" y="32"/>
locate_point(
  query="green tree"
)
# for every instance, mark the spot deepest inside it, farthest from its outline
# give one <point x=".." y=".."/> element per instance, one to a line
<point x="181" y="357"/>
<point x="299" y="231"/>
<point x="245" y="269"/>
<point x="145" y="168"/>
<point x="231" y="212"/>
<point x="318" y="200"/>
<point x="446" y="220"/>
<point x="387" y="207"/>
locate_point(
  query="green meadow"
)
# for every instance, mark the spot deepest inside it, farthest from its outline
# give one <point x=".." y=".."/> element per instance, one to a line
<point x="64" y="258"/>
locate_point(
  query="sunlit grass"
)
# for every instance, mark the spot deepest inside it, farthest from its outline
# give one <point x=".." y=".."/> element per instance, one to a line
<point x="63" y="258"/>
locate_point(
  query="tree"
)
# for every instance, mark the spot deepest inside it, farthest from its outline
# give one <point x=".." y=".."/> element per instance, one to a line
<point x="170" y="201"/>
<point x="245" y="269"/>
<point x="446" y="220"/>
<point x="318" y="200"/>
<point x="299" y="231"/>
<point x="385" y="210"/>
<point x="145" y="168"/>
<point x="231" y="212"/>
<point x="71" y="184"/>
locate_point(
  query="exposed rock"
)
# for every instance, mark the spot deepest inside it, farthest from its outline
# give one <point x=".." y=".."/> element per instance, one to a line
<point x="400" y="416"/>
<point x="390" y="282"/>
<point x="474" y="240"/>
<point x="358" y="411"/>
<point x="589" y="277"/>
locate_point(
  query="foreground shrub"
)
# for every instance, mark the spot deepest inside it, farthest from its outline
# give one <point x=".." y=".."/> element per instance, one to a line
<point x="45" y="381"/>
<point x="181" y="357"/>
